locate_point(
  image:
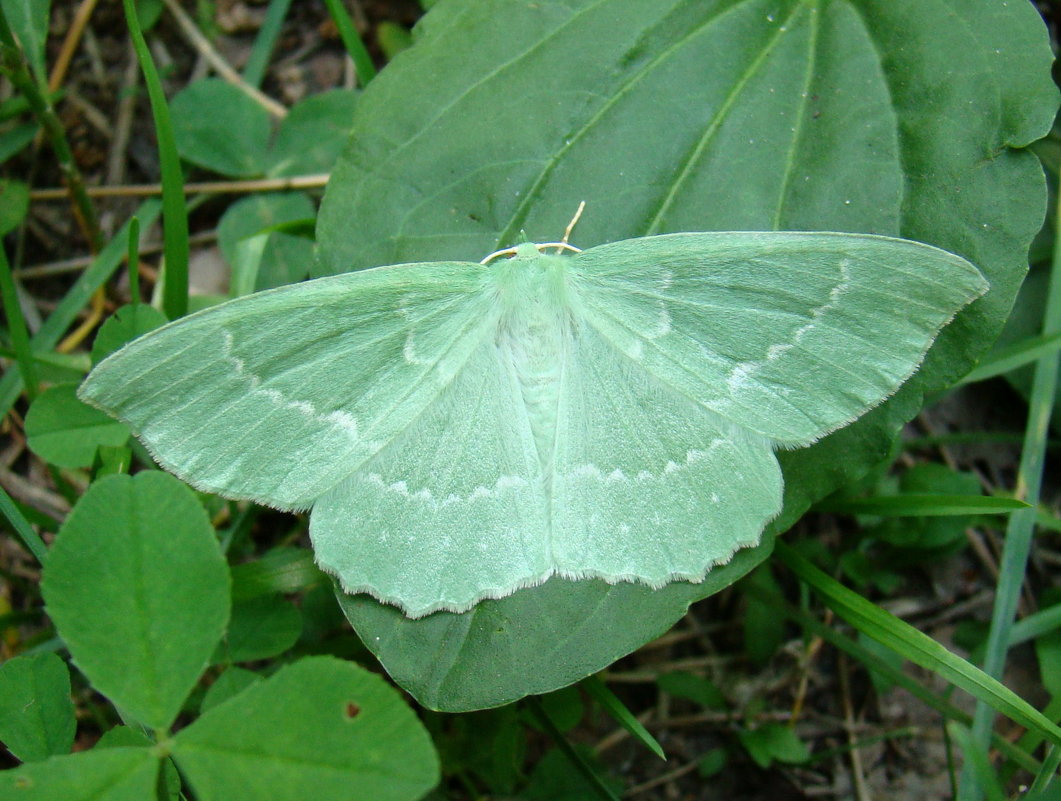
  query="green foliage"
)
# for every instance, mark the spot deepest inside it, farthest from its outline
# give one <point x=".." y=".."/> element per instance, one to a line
<point x="774" y="742"/>
<point x="907" y="119"/>
<point x="286" y="258"/>
<point x="230" y="683"/>
<point x="29" y="22"/>
<point x="129" y="322"/>
<point x="556" y="779"/>
<point x="260" y="628"/>
<point x="14" y="203"/>
<point x="695" y="688"/>
<point x="764" y="629"/>
<point x="66" y="432"/>
<point x="136" y="563"/>
<point x="424" y="178"/>
<point x="275" y="739"/>
<point x="36" y="715"/>
<point x="221" y="128"/>
<point x="157" y="582"/>
<point x="494" y="654"/>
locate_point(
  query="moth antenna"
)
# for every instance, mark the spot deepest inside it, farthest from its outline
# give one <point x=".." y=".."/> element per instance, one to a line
<point x="560" y="247"/>
<point x="497" y="253"/>
<point x="571" y="225"/>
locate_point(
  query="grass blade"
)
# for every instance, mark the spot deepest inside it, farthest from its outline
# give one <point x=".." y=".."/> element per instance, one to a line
<point x="21" y="525"/>
<point x="860" y="653"/>
<point x="621" y="715"/>
<point x="1035" y="625"/>
<point x="923" y="505"/>
<point x="265" y="41"/>
<point x="174" y="210"/>
<point x="1016" y="355"/>
<point x="16" y="324"/>
<point x="976" y="761"/>
<point x="919" y="648"/>
<point x="1017" y="543"/>
<point x="366" y="71"/>
<point x="583" y="767"/>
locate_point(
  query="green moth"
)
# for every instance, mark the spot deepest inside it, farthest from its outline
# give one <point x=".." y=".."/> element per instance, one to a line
<point x="463" y="430"/>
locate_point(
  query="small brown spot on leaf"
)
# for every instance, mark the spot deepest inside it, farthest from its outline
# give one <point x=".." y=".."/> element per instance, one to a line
<point x="352" y="709"/>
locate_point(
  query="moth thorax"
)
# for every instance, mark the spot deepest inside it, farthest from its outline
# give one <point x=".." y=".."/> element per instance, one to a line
<point x="535" y="338"/>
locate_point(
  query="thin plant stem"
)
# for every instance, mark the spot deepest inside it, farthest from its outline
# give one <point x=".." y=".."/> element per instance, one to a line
<point x="204" y="187"/>
<point x="134" y="260"/>
<point x="14" y="65"/>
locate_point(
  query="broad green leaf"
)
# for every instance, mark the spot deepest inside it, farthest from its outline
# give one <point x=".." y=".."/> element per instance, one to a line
<point x="614" y="412"/>
<point x="774" y="742"/>
<point x="764" y="629"/>
<point x="28" y="20"/>
<point x="319" y="728"/>
<point x="36" y="714"/>
<point x="12" y="140"/>
<point x="279" y="570"/>
<point x="1048" y="653"/>
<point x="712" y="763"/>
<point x="393" y="38"/>
<point x="129" y="322"/>
<point x="695" y="688"/>
<point x="139" y="591"/>
<point x="260" y="628"/>
<point x="312" y="135"/>
<point x="555" y="778"/>
<point x="125" y="736"/>
<point x="228" y="685"/>
<point x="149" y="12"/>
<point x="102" y="774"/>
<point x="286" y="258"/>
<point x="219" y="127"/>
<point x="532" y="642"/>
<point x="723" y="115"/>
<point x="564" y="707"/>
<point x="14" y="203"/>
<point x="64" y="431"/>
<point x="490" y="746"/>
